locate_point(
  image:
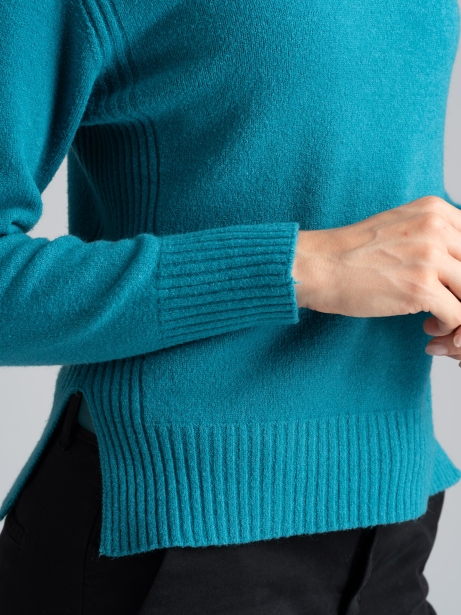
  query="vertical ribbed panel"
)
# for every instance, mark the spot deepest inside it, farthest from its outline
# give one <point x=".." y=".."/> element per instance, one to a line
<point x="121" y="174"/>
<point x="120" y="152"/>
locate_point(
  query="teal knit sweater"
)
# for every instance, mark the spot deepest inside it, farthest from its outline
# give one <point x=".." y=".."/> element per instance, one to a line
<point x="201" y="136"/>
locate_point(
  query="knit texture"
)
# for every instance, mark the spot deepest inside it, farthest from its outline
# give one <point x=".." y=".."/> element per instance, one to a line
<point x="201" y="136"/>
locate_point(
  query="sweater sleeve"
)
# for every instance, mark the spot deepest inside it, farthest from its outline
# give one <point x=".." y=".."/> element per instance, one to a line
<point x="67" y="301"/>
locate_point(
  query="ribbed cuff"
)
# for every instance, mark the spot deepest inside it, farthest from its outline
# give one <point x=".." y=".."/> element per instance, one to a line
<point x="225" y="279"/>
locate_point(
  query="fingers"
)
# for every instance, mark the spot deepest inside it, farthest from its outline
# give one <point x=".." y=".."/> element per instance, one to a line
<point x="453" y="242"/>
<point x="445" y="345"/>
<point x="446" y="315"/>
<point x="438" y="205"/>
<point x="440" y="232"/>
<point x="431" y="327"/>
<point x="449" y="272"/>
<point x="451" y="213"/>
<point x="457" y="338"/>
<point x="449" y="269"/>
<point x="446" y="308"/>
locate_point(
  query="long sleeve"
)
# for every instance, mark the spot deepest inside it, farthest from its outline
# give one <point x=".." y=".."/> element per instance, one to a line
<point x="67" y="301"/>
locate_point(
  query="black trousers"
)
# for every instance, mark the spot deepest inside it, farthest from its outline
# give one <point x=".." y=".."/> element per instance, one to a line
<point x="49" y="563"/>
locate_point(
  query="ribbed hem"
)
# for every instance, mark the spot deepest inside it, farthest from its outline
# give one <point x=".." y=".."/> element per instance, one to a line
<point x="221" y="484"/>
<point x="217" y="280"/>
<point x="167" y="485"/>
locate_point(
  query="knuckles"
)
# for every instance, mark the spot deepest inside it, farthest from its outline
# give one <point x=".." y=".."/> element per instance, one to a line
<point x="431" y="204"/>
<point x="429" y="253"/>
<point x="432" y="223"/>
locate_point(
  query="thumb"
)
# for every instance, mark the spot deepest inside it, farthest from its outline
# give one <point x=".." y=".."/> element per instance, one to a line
<point x="435" y="327"/>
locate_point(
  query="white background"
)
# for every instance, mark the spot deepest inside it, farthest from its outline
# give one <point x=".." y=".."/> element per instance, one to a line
<point x="27" y="392"/>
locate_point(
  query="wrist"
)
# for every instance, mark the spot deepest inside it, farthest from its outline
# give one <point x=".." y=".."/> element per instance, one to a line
<point x="309" y="268"/>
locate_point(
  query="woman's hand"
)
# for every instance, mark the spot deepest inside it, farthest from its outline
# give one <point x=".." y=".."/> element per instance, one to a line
<point x="400" y="261"/>
<point x="442" y="344"/>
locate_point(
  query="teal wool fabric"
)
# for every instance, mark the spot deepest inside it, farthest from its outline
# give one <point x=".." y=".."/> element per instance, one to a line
<point x="201" y="136"/>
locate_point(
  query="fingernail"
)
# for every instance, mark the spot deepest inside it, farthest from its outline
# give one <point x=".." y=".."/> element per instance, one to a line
<point x="457" y="341"/>
<point x="436" y="349"/>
